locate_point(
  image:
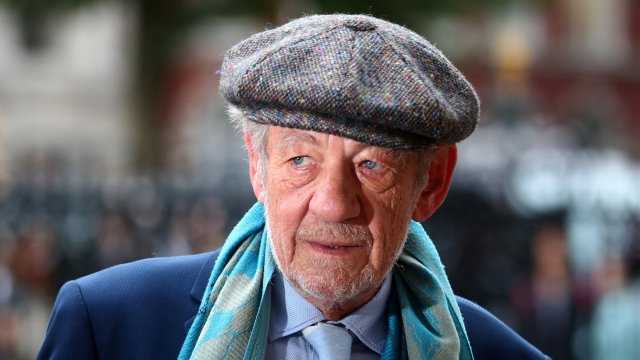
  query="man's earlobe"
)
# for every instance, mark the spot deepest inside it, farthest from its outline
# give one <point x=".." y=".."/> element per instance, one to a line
<point x="437" y="185"/>
<point x="254" y="169"/>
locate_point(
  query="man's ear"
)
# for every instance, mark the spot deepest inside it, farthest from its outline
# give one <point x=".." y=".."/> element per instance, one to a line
<point x="438" y="182"/>
<point x="254" y="169"/>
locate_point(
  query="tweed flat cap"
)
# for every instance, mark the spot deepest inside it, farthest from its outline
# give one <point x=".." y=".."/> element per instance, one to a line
<point x="353" y="76"/>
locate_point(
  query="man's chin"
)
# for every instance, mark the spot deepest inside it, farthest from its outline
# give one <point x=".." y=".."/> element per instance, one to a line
<point x="333" y="286"/>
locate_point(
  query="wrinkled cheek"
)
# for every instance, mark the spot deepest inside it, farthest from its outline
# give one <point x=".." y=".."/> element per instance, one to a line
<point x="287" y="216"/>
<point x="392" y="246"/>
<point x="283" y="243"/>
<point x="288" y="249"/>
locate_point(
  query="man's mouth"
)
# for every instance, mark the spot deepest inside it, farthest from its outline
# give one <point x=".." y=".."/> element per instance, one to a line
<point x="333" y="249"/>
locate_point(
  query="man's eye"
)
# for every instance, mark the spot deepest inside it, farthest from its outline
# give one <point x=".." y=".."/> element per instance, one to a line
<point x="370" y="165"/>
<point x="300" y="160"/>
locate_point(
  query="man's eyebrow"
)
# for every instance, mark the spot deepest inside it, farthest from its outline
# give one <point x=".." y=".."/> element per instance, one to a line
<point x="296" y="137"/>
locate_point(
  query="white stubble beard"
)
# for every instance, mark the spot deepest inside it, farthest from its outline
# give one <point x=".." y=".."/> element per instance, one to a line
<point x="326" y="280"/>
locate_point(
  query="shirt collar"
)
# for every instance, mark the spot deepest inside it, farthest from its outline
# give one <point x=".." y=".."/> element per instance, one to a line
<point x="291" y="313"/>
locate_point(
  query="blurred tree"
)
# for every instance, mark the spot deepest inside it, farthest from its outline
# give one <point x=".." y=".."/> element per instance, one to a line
<point x="163" y="24"/>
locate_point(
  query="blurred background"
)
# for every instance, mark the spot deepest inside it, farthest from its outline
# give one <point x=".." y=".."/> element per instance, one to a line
<point x="114" y="146"/>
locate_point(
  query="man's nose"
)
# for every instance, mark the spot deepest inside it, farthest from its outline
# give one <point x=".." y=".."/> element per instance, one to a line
<point x="336" y="198"/>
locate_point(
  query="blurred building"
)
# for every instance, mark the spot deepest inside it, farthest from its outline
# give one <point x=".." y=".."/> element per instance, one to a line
<point x="560" y="86"/>
<point x="64" y="90"/>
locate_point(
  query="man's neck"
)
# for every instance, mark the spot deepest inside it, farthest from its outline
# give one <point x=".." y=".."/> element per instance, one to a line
<point x="333" y="310"/>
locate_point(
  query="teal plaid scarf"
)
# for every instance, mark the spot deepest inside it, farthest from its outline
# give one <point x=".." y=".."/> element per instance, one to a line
<point x="233" y="319"/>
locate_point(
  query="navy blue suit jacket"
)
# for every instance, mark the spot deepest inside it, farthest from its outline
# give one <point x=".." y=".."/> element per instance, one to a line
<point x="143" y="310"/>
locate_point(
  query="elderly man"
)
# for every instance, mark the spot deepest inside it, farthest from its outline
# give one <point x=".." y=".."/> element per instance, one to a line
<point x="350" y="123"/>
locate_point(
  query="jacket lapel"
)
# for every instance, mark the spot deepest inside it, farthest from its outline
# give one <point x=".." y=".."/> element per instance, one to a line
<point x="200" y="284"/>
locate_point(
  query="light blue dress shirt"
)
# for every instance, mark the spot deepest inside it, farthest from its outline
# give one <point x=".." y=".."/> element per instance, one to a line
<point x="290" y="314"/>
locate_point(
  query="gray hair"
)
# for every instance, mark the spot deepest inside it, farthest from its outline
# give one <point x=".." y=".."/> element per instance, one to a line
<point x="258" y="133"/>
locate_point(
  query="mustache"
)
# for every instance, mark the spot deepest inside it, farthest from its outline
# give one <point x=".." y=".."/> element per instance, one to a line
<point x="351" y="234"/>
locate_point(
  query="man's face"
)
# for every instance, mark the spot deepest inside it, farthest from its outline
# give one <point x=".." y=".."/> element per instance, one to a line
<point x="337" y="211"/>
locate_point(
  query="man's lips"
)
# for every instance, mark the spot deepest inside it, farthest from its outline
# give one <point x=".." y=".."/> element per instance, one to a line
<point x="333" y="248"/>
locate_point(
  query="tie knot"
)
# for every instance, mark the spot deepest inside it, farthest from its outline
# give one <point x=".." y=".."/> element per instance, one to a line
<point x="330" y="342"/>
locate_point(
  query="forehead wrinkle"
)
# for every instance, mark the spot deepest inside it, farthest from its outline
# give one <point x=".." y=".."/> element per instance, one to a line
<point x="294" y="137"/>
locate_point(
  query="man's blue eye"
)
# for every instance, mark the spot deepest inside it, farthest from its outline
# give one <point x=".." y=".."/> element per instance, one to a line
<point x="300" y="160"/>
<point x="370" y="165"/>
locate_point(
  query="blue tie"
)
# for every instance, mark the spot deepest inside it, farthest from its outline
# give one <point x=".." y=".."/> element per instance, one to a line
<point x="329" y="341"/>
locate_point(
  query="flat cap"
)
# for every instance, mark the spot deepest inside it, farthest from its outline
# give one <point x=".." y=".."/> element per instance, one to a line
<point x="354" y="76"/>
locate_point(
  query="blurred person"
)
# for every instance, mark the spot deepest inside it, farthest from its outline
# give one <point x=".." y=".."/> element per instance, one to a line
<point x="544" y="303"/>
<point x="351" y="125"/>
<point x="32" y="264"/>
<point x="615" y="329"/>
<point x="34" y="259"/>
<point x="144" y="207"/>
<point x="9" y="337"/>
